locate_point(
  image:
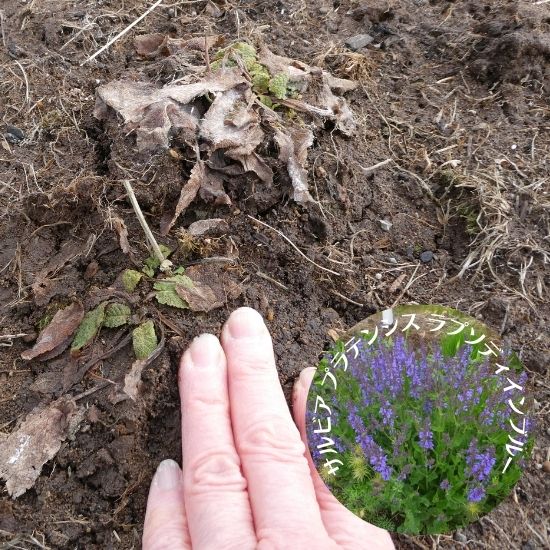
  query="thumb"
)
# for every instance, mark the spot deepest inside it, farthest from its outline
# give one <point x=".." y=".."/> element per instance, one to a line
<point x="165" y="521"/>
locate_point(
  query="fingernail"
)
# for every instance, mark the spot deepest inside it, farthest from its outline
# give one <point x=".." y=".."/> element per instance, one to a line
<point x="245" y="323"/>
<point x="168" y="475"/>
<point x="205" y="350"/>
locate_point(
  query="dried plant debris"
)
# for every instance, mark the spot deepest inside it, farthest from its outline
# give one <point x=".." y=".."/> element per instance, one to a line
<point x="155" y="113"/>
<point x="202" y="289"/>
<point x="56" y="337"/>
<point x="207" y="227"/>
<point x="241" y="102"/>
<point x="201" y="180"/>
<point x="37" y="440"/>
<point x="293" y="151"/>
<point x="156" y="45"/>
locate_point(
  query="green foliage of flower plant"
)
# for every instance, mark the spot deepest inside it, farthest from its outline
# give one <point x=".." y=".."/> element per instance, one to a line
<point x="152" y="263"/>
<point x="144" y="340"/>
<point x="166" y="293"/>
<point x="89" y="327"/>
<point x="421" y="429"/>
<point x="263" y="83"/>
<point x="130" y="279"/>
<point x="116" y="315"/>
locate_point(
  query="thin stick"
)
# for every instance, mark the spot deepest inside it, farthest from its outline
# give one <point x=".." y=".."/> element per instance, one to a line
<point x="271" y="280"/>
<point x="293" y="246"/>
<point x="27" y="94"/>
<point x="373" y="168"/>
<point x="122" y="33"/>
<point x="408" y="285"/>
<point x="2" y="28"/>
<point x="345" y="298"/>
<point x="165" y="264"/>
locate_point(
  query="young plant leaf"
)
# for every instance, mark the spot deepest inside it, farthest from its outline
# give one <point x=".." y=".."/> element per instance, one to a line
<point x="116" y="315"/>
<point x="89" y="327"/>
<point x="130" y="279"/>
<point x="166" y="292"/>
<point x="144" y="340"/>
<point x="152" y="263"/>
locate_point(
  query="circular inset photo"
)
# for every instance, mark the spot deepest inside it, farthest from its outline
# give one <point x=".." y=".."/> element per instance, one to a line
<point x="417" y="420"/>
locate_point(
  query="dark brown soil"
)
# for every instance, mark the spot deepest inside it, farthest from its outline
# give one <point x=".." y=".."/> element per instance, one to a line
<point x="456" y="93"/>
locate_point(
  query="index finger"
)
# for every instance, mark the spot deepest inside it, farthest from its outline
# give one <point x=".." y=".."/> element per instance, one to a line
<point x="272" y="453"/>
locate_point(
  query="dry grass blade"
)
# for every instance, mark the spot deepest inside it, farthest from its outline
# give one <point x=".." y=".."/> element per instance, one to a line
<point x="294" y="246"/>
<point x="123" y="32"/>
<point x="503" y="240"/>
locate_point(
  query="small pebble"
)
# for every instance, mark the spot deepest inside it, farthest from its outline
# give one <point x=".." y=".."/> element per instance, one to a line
<point x="426" y="256"/>
<point x="385" y="225"/>
<point x="547" y="431"/>
<point x="359" y="41"/>
<point x="378" y="276"/>
<point x="393" y="260"/>
<point x="460" y="537"/>
<point x="546" y="466"/>
<point x="14" y="134"/>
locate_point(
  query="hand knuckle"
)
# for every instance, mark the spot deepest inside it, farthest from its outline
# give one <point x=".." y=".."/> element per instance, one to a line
<point x="272" y="438"/>
<point x="214" y="471"/>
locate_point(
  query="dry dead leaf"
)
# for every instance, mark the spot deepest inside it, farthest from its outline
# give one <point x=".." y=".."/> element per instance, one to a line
<point x="212" y="189"/>
<point x="55" y="338"/>
<point x="253" y="163"/>
<point x="293" y="150"/>
<point x="231" y="124"/>
<point x="47" y="382"/>
<point x="188" y="193"/>
<point x="301" y="73"/>
<point x="132" y="381"/>
<point x="155" y="113"/>
<point x="122" y="231"/>
<point x="202" y="227"/>
<point x="153" y="45"/>
<point x="44" y="286"/>
<point x="37" y="440"/>
<point x="199" y="297"/>
<point x="215" y="278"/>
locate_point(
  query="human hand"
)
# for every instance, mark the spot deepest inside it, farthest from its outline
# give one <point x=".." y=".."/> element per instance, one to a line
<point x="248" y="480"/>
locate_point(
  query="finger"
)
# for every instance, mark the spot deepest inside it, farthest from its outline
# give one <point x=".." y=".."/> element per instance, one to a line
<point x="165" y="521"/>
<point x="343" y="526"/>
<point x="272" y="454"/>
<point x="216" y="500"/>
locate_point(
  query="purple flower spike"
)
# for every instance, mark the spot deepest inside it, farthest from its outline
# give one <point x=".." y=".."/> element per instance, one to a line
<point x="475" y="494"/>
<point x="426" y="436"/>
<point x="445" y="485"/>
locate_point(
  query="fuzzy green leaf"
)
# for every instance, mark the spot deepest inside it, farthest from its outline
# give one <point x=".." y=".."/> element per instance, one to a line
<point x="166" y="291"/>
<point x="89" y="327"/>
<point x="152" y="263"/>
<point x="278" y="85"/>
<point x="116" y="315"/>
<point x="144" y="340"/>
<point x="149" y="271"/>
<point x="130" y="279"/>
